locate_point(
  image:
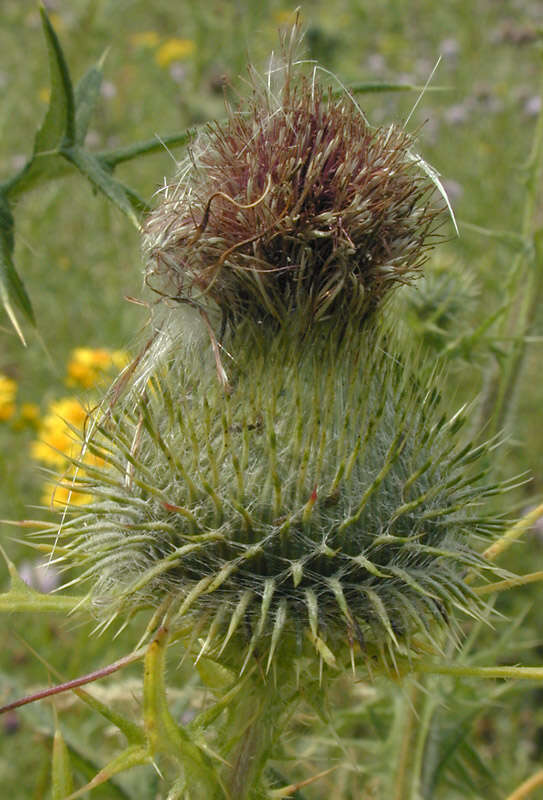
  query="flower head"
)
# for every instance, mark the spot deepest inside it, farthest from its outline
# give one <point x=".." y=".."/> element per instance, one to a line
<point x="8" y="391"/>
<point x="88" y="367"/>
<point x="174" y="50"/>
<point x="295" y="203"/>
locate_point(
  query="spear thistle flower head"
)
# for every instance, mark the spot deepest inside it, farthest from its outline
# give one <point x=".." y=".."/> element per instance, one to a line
<point x="293" y="204"/>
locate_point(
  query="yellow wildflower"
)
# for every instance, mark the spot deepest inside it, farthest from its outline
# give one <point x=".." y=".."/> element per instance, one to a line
<point x="174" y="50"/>
<point x="44" y="94"/>
<point x="30" y="412"/>
<point x="88" y="367"/>
<point x="57" y="441"/>
<point x="145" y="39"/>
<point x="119" y="358"/>
<point x="8" y="390"/>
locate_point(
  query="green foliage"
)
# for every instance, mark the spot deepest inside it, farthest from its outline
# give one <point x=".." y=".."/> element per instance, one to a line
<point x="60" y="142"/>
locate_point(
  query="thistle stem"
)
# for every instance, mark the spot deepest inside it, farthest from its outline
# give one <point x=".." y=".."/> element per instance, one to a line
<point x="257" y="715"/>
<point x="510" y="583"/>
<point x="506" y="673"/>
<point x="406" y="742"/>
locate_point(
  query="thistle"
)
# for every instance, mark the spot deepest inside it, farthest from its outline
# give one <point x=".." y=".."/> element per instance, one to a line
<point x="280" y="480"/>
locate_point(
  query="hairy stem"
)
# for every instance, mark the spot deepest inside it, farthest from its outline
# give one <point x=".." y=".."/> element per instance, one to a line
<point x="511" y="673"/>
<point x="404" y="758"/>
<point x="257" y="717"/>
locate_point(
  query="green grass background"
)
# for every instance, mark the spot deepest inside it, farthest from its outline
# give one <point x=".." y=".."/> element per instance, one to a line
<point x="79" y="258"/>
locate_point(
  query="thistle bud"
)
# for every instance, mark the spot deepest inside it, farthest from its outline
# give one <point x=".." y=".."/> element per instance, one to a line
<point x="324" y="504"/>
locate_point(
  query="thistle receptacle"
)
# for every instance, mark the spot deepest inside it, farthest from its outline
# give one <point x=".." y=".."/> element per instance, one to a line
<point x="325" y="502"/>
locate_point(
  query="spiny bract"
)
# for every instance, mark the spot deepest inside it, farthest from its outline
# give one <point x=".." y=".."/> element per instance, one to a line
<point x="324" y="504"/>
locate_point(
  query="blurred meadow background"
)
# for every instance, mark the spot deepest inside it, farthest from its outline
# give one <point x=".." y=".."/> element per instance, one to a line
<point x="168" y="67"/>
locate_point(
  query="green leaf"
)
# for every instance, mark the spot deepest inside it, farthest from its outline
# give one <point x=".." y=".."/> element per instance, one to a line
<point x="90" y="166"/>
<point x="132" y="756"/>
<point x="59" y="123"/>
<point x="83" y="765"/>
<point x="371" y="87"/>
<point x="134" y="734"/>
<point x="86" y="95"/>
<point x="39" y="169"/>
<point x="61" y="774"/>
<point x="21" y="597"/>
<point x="12" y="290"/>
<point x="164" y="735"/>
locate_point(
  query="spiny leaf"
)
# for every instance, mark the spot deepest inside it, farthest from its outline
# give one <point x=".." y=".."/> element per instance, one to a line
<point x="165" y="736"/>
<point x="59" y="123"/>
<point x="132" y="756"/>
<point x="86" y="767"/>
<point x="61" y="773"/>
<point x="214" y="675"/>
<point x="12" y="290"/>
<point x="21" y="597"/>
<point x="86" y="94"/>
<point x="39" y="169"/>
<point x="124" y="198"/>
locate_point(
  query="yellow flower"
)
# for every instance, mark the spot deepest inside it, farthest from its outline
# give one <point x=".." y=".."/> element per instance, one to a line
<point x="44" y="94"/>
<point x="174" y="50"/>
<point x="57" y="441"/>
<point x="120" y="358"/>
<point x="8" y="390"/>
<point x="88" y="367"/>
<point x="145" y="39"/>
<point x="30" y="412"/>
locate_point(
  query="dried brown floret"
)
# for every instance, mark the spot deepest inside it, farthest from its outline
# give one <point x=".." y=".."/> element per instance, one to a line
<point x="294" y="204"/>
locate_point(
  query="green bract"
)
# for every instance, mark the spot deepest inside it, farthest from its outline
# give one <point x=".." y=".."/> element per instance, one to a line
<point x="322" y="503"/>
